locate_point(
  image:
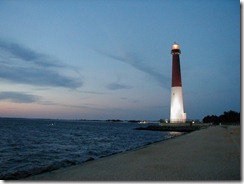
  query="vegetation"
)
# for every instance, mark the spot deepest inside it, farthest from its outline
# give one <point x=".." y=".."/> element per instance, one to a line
<point x="230" y="117"/>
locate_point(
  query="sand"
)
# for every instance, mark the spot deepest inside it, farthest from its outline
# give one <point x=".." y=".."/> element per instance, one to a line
<point x="204" y="155"/>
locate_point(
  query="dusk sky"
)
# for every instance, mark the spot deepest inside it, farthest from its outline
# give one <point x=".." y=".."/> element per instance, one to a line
<point x="105" y="59"/>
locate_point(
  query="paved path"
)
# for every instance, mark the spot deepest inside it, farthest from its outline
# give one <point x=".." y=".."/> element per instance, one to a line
<point x="207" y="155"/>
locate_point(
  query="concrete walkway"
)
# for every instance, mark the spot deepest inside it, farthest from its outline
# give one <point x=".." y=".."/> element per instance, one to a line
<point x="204" y="155"/>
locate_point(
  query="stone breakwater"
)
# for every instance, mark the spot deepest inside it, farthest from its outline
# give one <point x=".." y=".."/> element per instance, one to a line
<point x="180" y="128"/>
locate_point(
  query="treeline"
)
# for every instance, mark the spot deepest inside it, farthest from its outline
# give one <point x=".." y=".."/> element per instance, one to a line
<point x="230" y="117"/>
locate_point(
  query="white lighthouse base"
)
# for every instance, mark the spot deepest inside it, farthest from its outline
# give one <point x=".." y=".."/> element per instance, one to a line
<point x="177" y="114"/>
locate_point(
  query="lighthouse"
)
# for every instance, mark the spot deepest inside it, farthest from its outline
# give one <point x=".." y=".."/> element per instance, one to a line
<point x="177" y="114"/>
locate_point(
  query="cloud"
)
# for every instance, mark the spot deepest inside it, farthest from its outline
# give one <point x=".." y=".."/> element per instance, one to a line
<point x="92" y="92"/>
<point x="117" y="86"/>
<point x="22" y="65"/>
<point x="37" y="76"/>
<point x="18" y="97"/>
<point x="138" y="63"/>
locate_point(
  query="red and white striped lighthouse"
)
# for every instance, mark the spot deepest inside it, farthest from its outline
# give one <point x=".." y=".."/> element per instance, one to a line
<point x="177" y="114"/>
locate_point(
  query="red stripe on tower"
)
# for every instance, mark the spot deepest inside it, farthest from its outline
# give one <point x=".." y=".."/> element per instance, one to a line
<point x="176" y="75"/>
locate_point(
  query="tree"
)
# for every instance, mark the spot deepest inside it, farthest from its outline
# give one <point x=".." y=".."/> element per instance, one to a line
<point x="210" y="119"/>
<point x="226" y="117"/>
<point x="230" y="117"/>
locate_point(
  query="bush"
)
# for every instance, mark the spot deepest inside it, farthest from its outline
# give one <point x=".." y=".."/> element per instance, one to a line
<point x="229" y="117"/>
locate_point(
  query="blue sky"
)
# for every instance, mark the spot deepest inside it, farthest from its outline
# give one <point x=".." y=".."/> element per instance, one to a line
<point x="104" y="59"/>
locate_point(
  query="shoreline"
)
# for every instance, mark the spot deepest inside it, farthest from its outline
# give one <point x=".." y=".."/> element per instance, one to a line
<point x="59" y="157"/>
<point x="207" y="154"/>
<point x="175" y="134"/>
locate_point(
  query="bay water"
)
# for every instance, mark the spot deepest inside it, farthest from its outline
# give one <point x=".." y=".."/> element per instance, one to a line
<point x="33" y="146"/>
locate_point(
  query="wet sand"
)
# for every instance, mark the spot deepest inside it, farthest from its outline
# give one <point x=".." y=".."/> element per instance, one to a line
<point x="205" y="155"/>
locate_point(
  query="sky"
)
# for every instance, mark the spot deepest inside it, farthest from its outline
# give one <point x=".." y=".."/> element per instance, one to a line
<point x="105" y="59"/>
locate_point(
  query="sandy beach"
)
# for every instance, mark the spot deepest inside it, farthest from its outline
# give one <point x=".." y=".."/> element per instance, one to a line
<point x="205" y="155"/>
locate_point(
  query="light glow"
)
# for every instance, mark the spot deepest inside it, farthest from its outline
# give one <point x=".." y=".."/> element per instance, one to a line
<point x="175" y="46"/>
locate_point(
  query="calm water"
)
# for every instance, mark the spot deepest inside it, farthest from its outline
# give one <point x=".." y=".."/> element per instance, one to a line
<point x="34" y="146"/>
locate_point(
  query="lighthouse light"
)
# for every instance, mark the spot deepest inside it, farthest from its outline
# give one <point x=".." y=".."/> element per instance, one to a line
<point x="175" y="46"/>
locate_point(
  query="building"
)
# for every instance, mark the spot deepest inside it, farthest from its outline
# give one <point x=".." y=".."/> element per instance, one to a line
<point x="177" y="114"/>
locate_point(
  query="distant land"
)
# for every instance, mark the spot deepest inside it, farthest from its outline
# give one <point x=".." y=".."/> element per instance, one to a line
<point x="228" y="117"/>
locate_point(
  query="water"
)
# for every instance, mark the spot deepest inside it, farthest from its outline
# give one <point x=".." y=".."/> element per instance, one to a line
<point x="34" y="146"/>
